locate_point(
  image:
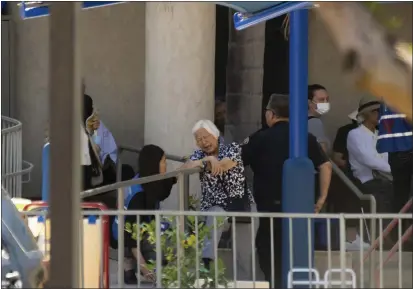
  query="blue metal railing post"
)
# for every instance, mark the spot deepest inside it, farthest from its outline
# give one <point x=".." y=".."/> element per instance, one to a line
<point x="45" y="172"/>
<point x="298" y="166"/>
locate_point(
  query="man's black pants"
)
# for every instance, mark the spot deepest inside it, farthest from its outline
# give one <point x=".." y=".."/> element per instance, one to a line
<point x="382" y="190"/>
<point x="401" y="164"/>
<point x="263" y="244"/>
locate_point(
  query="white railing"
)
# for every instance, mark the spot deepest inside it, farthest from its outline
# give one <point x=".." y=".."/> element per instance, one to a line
<point x="13" y="168"/>
<point x="337" y="266"/>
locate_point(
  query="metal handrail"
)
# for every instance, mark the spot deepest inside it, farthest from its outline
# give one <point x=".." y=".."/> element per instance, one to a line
<point x="373" y="210"/>
<point x="183" y="185"/>
<point x="139" y="181"/>
<point x="354" y="188"/>
<point x="138" y="151"/>
<point x="15" y="125"/>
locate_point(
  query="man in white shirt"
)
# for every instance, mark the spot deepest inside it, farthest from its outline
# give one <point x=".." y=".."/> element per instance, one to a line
<point x="368" y="166"/>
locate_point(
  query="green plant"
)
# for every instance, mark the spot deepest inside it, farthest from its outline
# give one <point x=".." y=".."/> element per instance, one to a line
<point x="182" y="262"/>
<point x="193" y="203"/>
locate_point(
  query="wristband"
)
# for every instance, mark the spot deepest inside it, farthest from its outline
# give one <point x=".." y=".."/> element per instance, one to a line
<point x="204" y="164"/>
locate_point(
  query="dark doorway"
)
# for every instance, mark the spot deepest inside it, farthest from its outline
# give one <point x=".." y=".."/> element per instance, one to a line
<point x="221" y="51"/>
<point x="276" y="67"/>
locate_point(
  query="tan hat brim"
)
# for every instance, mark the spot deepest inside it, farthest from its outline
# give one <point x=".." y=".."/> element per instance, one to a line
<point x="369" y="108"/>
<point x="353" y="115"/>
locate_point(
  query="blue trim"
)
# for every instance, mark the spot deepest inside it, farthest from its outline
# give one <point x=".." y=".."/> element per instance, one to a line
<point x="45" y="172"/>
<point x="42" y="9"/>
<point x="242" y="21"/>
<point x="93" y="4"/>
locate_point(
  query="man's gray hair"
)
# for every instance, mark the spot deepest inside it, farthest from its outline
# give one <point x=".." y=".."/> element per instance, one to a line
<point x="279" y="104"/>
<point x="208" y="125"/>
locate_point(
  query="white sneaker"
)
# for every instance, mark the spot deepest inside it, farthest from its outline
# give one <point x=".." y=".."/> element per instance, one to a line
<point x="357" y="244"/>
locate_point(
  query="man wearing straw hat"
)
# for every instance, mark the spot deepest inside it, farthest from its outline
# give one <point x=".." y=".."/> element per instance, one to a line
<point x="367" y="165"/>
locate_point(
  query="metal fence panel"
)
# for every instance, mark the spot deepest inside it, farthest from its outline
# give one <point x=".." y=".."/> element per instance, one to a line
<point x="13" y="168"/>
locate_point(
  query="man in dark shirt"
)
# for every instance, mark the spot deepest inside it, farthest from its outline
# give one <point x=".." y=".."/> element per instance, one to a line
<point x="340" y="152"/>
<point x="341" y="197"/>
<point x="266" y="151"/>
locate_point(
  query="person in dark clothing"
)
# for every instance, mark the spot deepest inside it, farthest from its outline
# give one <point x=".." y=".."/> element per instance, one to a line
<point x="91" y="167"/>
<point x="152" y="161"/>
<point x="99" y="173"/>
<point x="340" y="152"/>
<point x="341" y="197"/>
<point x="265" y="152"/>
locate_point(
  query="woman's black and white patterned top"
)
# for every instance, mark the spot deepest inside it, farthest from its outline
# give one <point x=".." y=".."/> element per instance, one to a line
<point x="219" y="190"/>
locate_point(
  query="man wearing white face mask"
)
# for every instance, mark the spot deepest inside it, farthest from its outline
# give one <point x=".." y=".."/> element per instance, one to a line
<point x="317" y="106"/>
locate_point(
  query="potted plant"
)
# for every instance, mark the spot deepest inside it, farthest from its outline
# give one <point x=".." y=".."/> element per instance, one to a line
<point x="184" y="260"/>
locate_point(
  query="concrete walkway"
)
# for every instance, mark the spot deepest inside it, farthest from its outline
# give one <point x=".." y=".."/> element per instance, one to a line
<point x="390" y="272"/>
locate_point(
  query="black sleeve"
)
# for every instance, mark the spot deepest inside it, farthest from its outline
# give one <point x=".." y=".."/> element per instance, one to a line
<point x="340" y="142"/>
<point x="158" y="191"/>
<point x="315" y="152"/>
<point x="153" y="193"/>
<point x="87" y="177"/>
<point x="137" y="203"/>
<point x="249" y="148"/>
<point x="167" y="187"/>
<point x="246" y="154"/>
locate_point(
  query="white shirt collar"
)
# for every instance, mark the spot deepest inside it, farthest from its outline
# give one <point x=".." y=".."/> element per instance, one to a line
<point x="375" y="133"/>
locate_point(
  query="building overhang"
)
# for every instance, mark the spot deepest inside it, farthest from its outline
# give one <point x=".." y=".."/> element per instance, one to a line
<point x="248" y="13"/>
<point x="251" y="13"/>
<point x="36" y="9"/>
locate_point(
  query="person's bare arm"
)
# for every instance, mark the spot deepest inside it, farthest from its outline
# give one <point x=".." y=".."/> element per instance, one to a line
<point x="225" y="164"/>
<point x="143" y="266"/>
<point x="192" y="164"/>
<point x="325" y="178"/>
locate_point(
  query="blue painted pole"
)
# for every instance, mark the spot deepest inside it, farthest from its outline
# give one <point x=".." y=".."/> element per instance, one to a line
<point x="298" y="171"/>
<point x="45" y="172"/>
<point x="298" y="83"/>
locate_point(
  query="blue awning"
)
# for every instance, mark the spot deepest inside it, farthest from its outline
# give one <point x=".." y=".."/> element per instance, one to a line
<point x="251" y="13"/>
<point x="248" y="13"/>
<point x="33" y="9"/>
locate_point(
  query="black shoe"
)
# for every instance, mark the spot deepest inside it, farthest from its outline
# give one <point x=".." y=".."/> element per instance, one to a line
<point x="207" y="262"/>
<point x="130" y="277"/>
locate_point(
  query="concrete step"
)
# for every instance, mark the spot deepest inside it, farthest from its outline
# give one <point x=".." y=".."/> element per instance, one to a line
<point x="399" y="266"/>
<point x="391" y="270"/>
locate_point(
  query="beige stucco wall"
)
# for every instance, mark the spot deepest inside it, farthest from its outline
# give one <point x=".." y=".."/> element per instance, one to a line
<point x="114" y="67"/>
<point x="113" y="52"/>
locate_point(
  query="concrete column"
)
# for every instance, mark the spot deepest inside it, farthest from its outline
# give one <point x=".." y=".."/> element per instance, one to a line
<point x="65" y="114"/>
<point x="180" y="65"/>
<point x="245" y="72"/>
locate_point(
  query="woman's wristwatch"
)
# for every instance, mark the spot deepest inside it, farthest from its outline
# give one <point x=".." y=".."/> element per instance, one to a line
<point x="204" y="164"/>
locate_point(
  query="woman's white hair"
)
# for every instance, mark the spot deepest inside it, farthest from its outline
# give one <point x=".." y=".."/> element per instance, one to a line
<point x="208" y="125"/>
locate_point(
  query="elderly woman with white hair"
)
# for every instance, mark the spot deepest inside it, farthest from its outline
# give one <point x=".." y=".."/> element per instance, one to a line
<point x="222" y="178"/>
